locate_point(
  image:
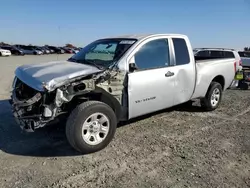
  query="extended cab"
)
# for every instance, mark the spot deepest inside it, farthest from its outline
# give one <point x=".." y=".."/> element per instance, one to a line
<point x="116" y="79"/>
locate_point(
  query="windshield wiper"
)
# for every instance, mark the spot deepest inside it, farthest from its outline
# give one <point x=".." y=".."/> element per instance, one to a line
<point x="89" y="62"/>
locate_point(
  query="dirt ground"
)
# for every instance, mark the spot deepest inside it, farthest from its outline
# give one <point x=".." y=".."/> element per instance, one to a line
<point x="178" y="147"/>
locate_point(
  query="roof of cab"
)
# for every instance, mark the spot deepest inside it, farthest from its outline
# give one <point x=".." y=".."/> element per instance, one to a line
<point x="143" y="36"/>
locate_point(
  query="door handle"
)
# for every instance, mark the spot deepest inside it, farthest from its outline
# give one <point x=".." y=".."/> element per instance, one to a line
<point x="168" y="74"/>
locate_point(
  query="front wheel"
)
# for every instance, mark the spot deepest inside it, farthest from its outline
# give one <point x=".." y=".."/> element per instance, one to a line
<point x="91" y="126"/>
<point x="213" y="97"/>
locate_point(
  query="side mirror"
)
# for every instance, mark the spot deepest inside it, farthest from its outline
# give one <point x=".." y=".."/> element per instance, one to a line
<point x="132" y="67"/>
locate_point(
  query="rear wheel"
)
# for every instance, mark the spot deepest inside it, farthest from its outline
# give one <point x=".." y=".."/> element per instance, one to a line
<point x="1" y="54"/>
<point x="213" y="97"/>
<point x="91" y="126"/>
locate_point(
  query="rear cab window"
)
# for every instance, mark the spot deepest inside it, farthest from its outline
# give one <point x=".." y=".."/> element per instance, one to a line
<point x="203" y="53"/>
<point x="228" y="54"/>
<point x="181" y="51"/>
<point x="217" y="54"/>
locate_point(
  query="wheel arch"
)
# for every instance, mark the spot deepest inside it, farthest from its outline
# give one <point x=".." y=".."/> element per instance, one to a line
<point x="103" y="96"/>
<point x="220" y="79"/>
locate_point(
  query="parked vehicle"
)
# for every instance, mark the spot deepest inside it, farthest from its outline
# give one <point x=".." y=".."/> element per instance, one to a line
<point x="68" y="50"/>
<point x="245" y="57"/>
<point x="45" y="50"/>
<point x="50" y="50"/>
<point x="56" y="50"/>
<point x="75" y="50"/>
<point x="13" y="50"/>
<point x="214" y="53"/>
<point x="4" y="52"/>
<point x="116" y="79"/>
<point x="40" y="49"/>
<point x="29" y="50"/>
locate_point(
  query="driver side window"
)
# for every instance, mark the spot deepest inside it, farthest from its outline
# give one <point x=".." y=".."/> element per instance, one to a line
<point x="154" y="54"/>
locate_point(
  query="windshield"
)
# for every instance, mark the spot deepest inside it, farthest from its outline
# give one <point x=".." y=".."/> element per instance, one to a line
<point x="103" y="53"/>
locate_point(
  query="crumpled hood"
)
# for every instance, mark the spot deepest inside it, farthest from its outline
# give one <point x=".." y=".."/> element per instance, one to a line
<point x="52" y="74"/>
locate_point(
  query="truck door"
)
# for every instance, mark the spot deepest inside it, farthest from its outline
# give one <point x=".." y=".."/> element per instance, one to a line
<point x="184" y="70"/>
<point x="151" y="85"/>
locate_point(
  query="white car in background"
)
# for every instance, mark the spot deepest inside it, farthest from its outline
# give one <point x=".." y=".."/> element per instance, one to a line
<point x="4" y="52"/>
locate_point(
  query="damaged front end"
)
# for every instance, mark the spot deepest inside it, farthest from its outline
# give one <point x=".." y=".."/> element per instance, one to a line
<point x="34" y="109"/>
<point x="29" y="108"/>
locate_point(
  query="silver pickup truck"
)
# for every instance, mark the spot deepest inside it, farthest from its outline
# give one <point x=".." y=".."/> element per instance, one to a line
<point x="116" y="79"/>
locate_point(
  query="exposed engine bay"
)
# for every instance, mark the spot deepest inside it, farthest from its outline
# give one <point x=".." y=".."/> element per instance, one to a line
<point x="34" y="109"/>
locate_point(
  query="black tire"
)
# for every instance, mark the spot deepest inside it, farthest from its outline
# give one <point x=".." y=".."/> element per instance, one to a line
<point x="1" y="54"/>
<point x="206" y="102"/>
<point x="75" y="123"/>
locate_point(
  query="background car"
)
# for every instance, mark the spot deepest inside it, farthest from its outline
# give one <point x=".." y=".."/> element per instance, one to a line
<point x="71" y="50"/>
<point x="46" y="50"/>
<point x="68" y="50"/>
<point x="56" y="50"/>
<point x="39" y="49"/>
<point x="4" y="52"/>
<point x="31" y="50"/>
<point x="14" y="50"/>
<point x="75" y="50"/>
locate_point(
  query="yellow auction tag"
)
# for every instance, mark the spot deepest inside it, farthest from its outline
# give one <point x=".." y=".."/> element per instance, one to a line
<point x="239" y="76"/>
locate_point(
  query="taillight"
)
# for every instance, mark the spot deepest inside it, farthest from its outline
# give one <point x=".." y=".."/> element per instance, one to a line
<point x="240" y="62"/>
<point x="234" y="66"/>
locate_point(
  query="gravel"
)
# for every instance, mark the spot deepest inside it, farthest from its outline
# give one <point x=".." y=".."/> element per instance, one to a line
<point x="178" y="147"/>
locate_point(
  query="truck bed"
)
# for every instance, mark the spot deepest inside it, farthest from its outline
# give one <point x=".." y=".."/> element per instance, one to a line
<point x="208" y="69"/>
<point x="200" y="58"/>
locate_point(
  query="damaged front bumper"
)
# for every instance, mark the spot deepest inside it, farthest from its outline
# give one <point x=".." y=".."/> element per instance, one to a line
<point x="32" y="113"/>
<point x="21" y="109"/>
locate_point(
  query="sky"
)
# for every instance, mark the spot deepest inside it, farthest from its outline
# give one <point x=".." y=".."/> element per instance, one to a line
<point x="207" y="23"/>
